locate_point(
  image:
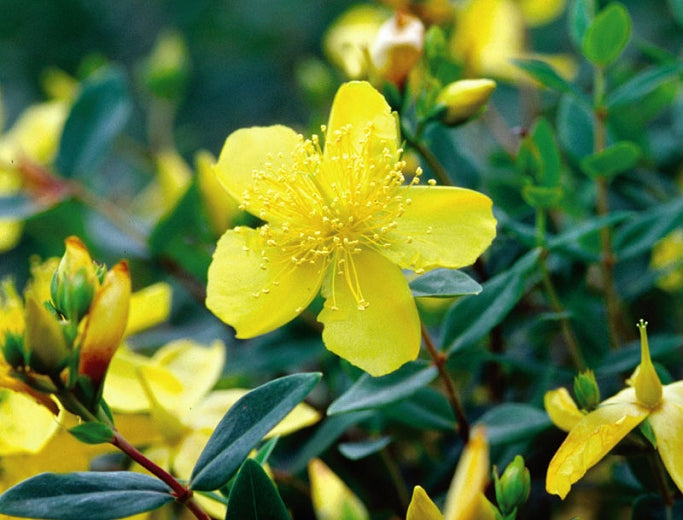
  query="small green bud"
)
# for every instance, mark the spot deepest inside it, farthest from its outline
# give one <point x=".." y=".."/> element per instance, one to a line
<point x="513" y="487"/>
<point x="45" y="345"/>
<point x="436" y="46"/>
<point x="75" y="281"/>
<point x="13" y="350"/>
<point x="586" y="391"/>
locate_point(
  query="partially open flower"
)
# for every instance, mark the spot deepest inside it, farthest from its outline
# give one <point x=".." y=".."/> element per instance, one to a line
<point x="398" y="47"/>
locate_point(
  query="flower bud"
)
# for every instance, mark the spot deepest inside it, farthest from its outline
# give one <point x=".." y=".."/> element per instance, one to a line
<point x="645" y="379"/>
<point x="75" y="281"/>
<point x="513" y="487"/>
<point x="45" y="344"/>
<point x="586" y="391"/>
<point x="105" y="324"/>
<point x="464" y="99"/>
<point x="398" y="47"/>
<point x="167" y="68"/>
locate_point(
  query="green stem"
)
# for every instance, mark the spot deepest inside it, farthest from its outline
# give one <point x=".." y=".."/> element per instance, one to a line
<point x="396" y="479"/>
<point x="660" y="479"/>
<point x="607" y="260"/>
<point x="182" y="494"/>
<point x="439" y="359"/>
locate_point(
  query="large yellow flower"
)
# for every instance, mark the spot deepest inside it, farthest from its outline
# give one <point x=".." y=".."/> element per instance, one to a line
<point x="341" y="219"/>
<point x="592" y="436"/>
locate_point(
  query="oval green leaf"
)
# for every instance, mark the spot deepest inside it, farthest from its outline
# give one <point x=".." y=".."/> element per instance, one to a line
<point x="254" y="496"/>
<point x="243" y="427"/>
<point x="607" y="35"/>
<point x="85" y="495"/>
<point x="97" y="117"/>
<point x="611" y="161"/>
<point x="372" y="392"/>
<point x="512" y="422"/>
<point x="360" y="450"/>
<point x="444" y="283"/>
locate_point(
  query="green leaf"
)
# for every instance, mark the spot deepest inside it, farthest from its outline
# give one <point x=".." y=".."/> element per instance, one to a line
<point x="643" y="84"/>
<point x="627" y="358"/>
<point x="639" y="234"/>
<point x="546" y="75"/>
<point x="85" y="495"/>
<point x="92" y="433"/>
<point x="18" y="207"/>
<point x="676" y="7"/>
<point x="427" y="409"/>
<point x="575" y="127"/>
<point x="512" y="422"/>
<point x="183" y="235"/>
<point x="579" y="17"/>
<point x="245" y="424"/>
<point x="372" y="392"/>
<point x="542" y="197"/>
<point x="474" y="316"/>
<point x="444" y="283"/>
<point x="607" y="35"/>
<point x="325" y="436"/>
<point x="254" y="496"/>
<point x="362" y="449"/>
<point x="611" y="161"/>
<point x="539" y="157"/>
<point x="96" y="118"/>
<point x="652" y="507"/>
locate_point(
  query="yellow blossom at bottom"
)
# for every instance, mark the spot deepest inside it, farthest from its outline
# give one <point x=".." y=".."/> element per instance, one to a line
<point x="332" y="498"/>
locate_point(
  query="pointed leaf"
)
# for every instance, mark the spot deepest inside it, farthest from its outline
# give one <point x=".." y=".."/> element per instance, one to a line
<point x="362" y="449"/>
<point x="512" y="422"/>
<point x="372" y="392"/>
<point x="18" y="207"/>
<point x="474" y="316"/>
<point x="254" y="496"/>
<point x="97" y="117"/>
<point x="245" y="424"/>
<point x="92" y="433"/>
<point x="607" y="35"/>
<point x="643" y="84"/>
<point x="85" y="495"/>
<point x="444" y="283"/>
<point x="546" y="75"/>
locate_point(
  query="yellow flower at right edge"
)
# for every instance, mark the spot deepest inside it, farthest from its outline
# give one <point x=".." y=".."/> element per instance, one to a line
<point x="593" y="436"/>
<point x="465" y="499"/>
<point x="341" y="219"/>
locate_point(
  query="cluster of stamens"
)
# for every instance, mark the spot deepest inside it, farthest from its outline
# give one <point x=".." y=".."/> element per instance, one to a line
<point x="325" y="207"/>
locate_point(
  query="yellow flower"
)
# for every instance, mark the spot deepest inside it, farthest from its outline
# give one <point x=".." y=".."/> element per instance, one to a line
<point x="331" y="497"/>
<point x="490" y="33"/>
<point x="183" y="407"/>
<point x="667" y="256"/>
<point x="340" y="219"/>
<point x="465" y="499"/>
<point x="595" y="434"/>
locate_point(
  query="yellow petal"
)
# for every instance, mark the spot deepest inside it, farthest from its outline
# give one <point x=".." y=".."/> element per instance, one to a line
<point x="442" y="227"/>
<point x="359" y="105"/>
<point x="185" y="359"/>
<point x="591" y="439"/>
<point x="249" y="150"/>
<point x="562" y="409"/>
<point x="471" y="476"/>
<point x="383" y="335"/>
<point x="148" y="307"/>
<point x="256" y="288"/>
<point x="10" y="233"/>
<point x="332" y="499"/>
<point x="539" y="12"/>
<point x="421" y="507"/>
<point x="122" y="390"/>
<point x="174" y="176"/>
<point x="222" y="209"/>
<point x="667" y="423"/>
<point x="25" y="425"/>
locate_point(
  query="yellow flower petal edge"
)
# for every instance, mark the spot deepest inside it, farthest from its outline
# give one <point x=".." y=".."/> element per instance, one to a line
<point x="562" y="409"/>
<point x="421" y="507"/>
<point x="148" y="307"/>
<point x="667" y="423"/>
<point x="590" y="440"/>
<point x="25" y="425"/>
<point x="378" y="337"/>
<point x="471" y="476"/>
<point x="253" y="295"/>
<point x="332" y="498"/>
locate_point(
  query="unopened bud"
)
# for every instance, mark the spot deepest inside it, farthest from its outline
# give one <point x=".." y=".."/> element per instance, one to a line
<point x="436" y="46"/>
<point x="45" y="344"/>
<point x="513" y="487"/>
<point x="464" y="99"/>
<point x="645" y="379"/>
<point x="398" y="47"/>
<point x="75" y="281"/>
<point x="105" y="325"/>
<point x="586" y="391"/>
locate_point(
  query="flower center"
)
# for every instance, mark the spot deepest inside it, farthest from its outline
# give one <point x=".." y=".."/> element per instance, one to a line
<point x="328" y="206"/>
